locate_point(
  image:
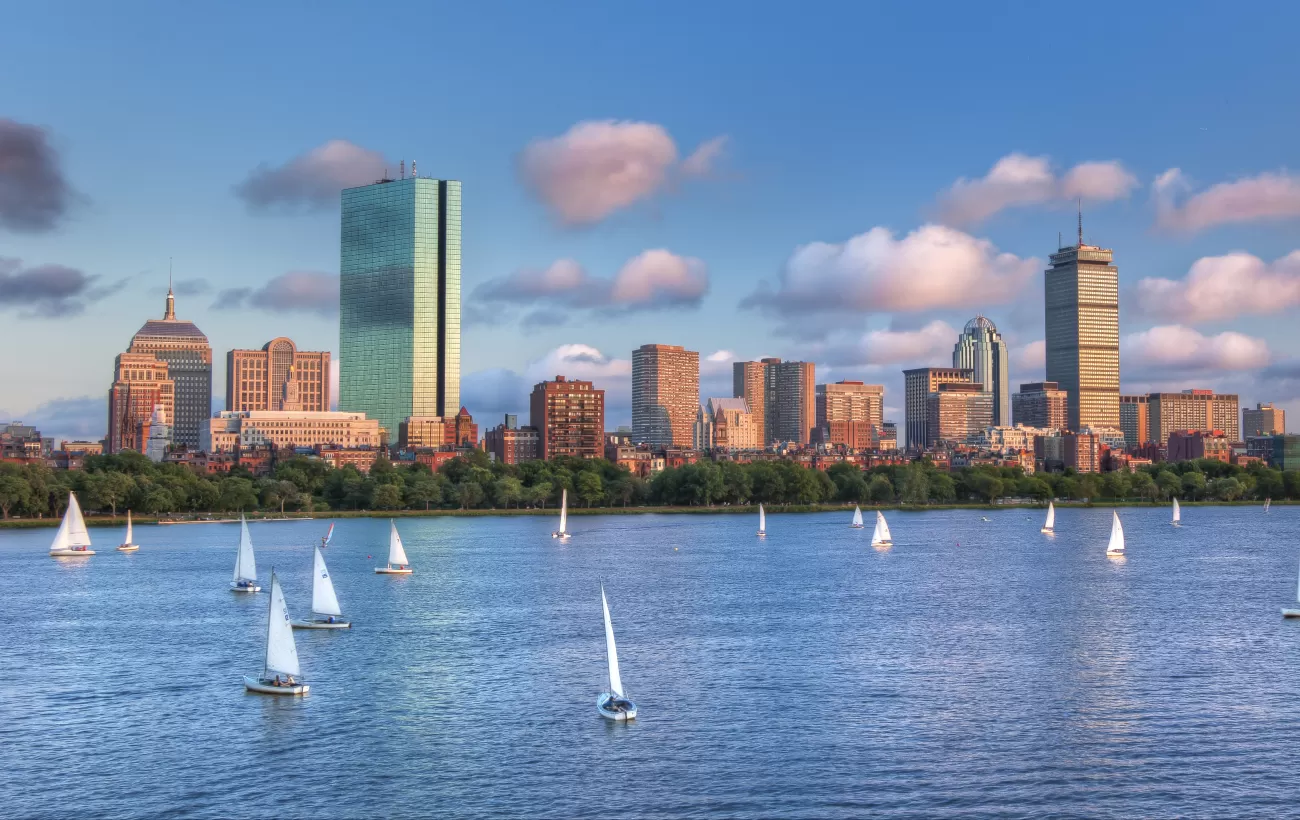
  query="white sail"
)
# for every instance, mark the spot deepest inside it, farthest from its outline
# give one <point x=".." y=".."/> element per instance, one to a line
<point x="1267" y="501"/>
<point x="564" y="511"/>
<point x="1051" y="516"/>
<point x="880" y="535"/>
<point x="762" y="519"/>
<point x="1297" y="590"/>
<point x="1178" y="512"/>
<point x="323" y="599"/>
<point x="396" y="553"/>
<point x="60" y="541"/>
<point x="857" y="516"/>
<point x="245" y="564"/>
<point x="1116" y="544"/>
<point x="615" y="681"/>
<point x="128" y="528"/>
<point x="281" y="654"/>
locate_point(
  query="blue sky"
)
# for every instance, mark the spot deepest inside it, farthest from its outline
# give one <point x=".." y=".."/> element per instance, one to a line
<point x="827" y="122"/>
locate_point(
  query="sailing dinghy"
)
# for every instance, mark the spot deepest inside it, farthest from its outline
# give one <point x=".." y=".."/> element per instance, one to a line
<point x="762" y="522"/>
<point x="1050" y="526"/>
<point x="129" y="544"/>
<point x="324" y="603"/>
<point x="857" y="518"/>
<point x="563" y="532"/>
<point x="280" y="672"/>
<point x="1178" y="514"/>
<point x="245" y="564"/>
<point x="880" y="536"/>
<point x="397" y="563"/>
<point x="1267" y="503"/>
<point x="325" y="539"/>
<point x="1116" y="545"/>
<point x="71" y="540"/>
<point x="614" y="704"/>
<point x="1293" y="613"/>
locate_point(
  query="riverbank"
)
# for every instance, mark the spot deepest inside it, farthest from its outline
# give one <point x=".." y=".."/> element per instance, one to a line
<point x="220" y="518"/>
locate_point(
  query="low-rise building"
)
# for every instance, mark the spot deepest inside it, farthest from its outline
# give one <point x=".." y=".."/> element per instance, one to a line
<point x="363" y="458"/>
<point x="726" y="424"/>
<point x="1041" y="405"/>
<point x="513" y="445"/>
<point x="1009" y="439"/>
<point x="436" y="431"/>
<point x="234" y="431"/>
<point x="1189" y="445"/>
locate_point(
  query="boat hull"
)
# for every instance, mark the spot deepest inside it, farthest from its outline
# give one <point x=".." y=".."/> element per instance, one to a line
<point x="615" y="714"/>
<point x="238" y="588"/>
<point x="262" y="688"/>
<point x="1115" y="553"/>
<point x="128" y="548"/>
<point x="882" y="543"/>
<point x="1291" y="613"/>
<point x="393" y="570"/>
<point x="71" y="553"/>
<point x="857" y="527"/>
<point x="317" y="624"/>
<point x="1047" y="531"/>
<point x="563" y="536"/>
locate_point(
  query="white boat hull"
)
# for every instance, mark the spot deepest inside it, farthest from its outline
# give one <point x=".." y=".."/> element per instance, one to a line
<point x="1291" y="613"/>
<point x="1047" y="531"/>
<point x="252" y="588"/>
<point x="128" y="548"/>
<point x="321" y="624"/>
<point x="71" y="553"/>
<point x="857" y="527"/>
<point x="563" y="536"/>
<point x="628" y="713"/>
<point x="393" y="570"/>
<point x="1115" y="553"/>
<point x="263" y="688"/>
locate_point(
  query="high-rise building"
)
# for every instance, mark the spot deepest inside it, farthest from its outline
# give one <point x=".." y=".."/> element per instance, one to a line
<point x="980" y="348"/>
<point x="918" y="384"/>
<point x="782" y="394"/>
<point x="255" y="379"/>
<point x="1264" y="420"/>
<point x="665" y="395"/>
<point x="1081" y="296"/>
<point x="569" y="417"/>
<point x="1193" y="410"/>
<point x="749" y="382"/>
<point x="850" y="401"/>
<point x="189" y="367"/>
<point x="1041" y="405"/>
<point x="1135" y="420"/>
<point x="399" y="300"/>
<point x="955" y="412"/>
<point x="140" y="383"/>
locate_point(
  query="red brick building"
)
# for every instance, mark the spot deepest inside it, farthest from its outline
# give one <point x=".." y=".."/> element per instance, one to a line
<point x="569" y="417"/>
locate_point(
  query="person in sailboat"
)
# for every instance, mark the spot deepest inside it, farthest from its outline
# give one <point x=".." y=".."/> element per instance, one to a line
<point x="242" y="584"/>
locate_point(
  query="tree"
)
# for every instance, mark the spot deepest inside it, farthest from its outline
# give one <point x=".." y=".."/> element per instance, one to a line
<point x="1169" y="483"/>
<point x="1194" y="485"/>
<point x="470" y="494"/>
<point x="590" y="488"/>
<point x="237" y="494"/>
<point x="388" y="497"/>
<point x="110" y="489"/>
<point x="507" y="490"/>
<point x="880" y="490"/>
<point x="424" y="489"/>
<point x="916" y="485"/>
<point x="540" y="493"/>
<point x="14" y="492"/>
<point x="278" y="493"/>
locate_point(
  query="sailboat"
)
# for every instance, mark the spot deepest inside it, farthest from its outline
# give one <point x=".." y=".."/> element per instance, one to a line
<point x="563" y="532"/>
<point x="613" y="705"/>
<point x="1116" y="545"/>
<point x="1267" y="503"/>
<point x="245" y="579"/>
<point x="71" y="540"/>
<point x="1178" y="514"/>
<point x="397" y="563"/>
<point x="325" y="540"/>
<point x="128" y="545"/>
<point x="857" y="518"/>
<point x="1293" y="613"/>
<point x="280" y="672"/>
<point x="880" y="537"/>
<point x="324" y="603"/>
<point x="1050" y="526"/>
<point x="762" y="522"/>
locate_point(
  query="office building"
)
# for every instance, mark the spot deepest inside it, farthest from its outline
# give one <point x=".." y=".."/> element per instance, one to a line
<point x="141" y="382"/>
<point x="1063" y="450"/>
<point x="956" y="412"/>
<point x="1081" y="298"/>
<point x="850" y="401"/>
<point x="510" y="444"/>
<point x="665" y="395"/>
<point x="234" y="430"/>
<point x="1000" y="439"/>
<point x="1264" y="420"/>
<point x="1040" y="404"/>
<point x="435" y="431"/>
<point x="185" y="350"/>
<point x="783" y="394"/>
<point x="399" y="300"/>
<point x="749" y="382"/>
<point x="569" y="417"/>
<point x="1285" y="453"/>
<point x="1135" y="420"/>
<point x="980" y="348"/>
<point x="1190" y="445"/>
<point x="256" y="379"/>
<point x="918" y="384"/>
<point x="1192" y="410"/>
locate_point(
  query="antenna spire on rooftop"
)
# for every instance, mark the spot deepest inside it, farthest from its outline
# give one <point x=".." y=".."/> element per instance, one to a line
<point x="1081" y="222"/>
<point x="170" y="314"/>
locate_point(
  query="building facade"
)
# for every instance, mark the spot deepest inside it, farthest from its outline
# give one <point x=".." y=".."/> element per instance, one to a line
<point x="1041" y="405"/>
<point x="569" y="417"/>
<point x="665" y="395"/>
<point x="1192" y="410"/>
<point x="435" y="431"/>
<point x="1285" y="454"/>
<point x="727" y="425"/>
<point x="1189" y="445"/>
<point x="957" y="412"/>
<point x="850" y="401"/>
<point x="980" y="348"/>
<point x="749" y="382"/>
<point x="399" y="300"/>
<point x="918" y="384"/>
<point x="1264" y="420"/>
<point x="1019" y="438"/>
<point x="188" y="356"/>
<point x="509" y="444"/>
<point x="1081" y="300"/>
<point x="256" y="379"/>
<point x="782" y="394"/>
<point x="1135" y="420"/>
<point x="235" y="430"/>
<point x="141" y="382"/>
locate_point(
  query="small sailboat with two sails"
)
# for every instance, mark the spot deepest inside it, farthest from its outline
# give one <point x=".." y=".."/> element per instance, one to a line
<point x="280" y="671"/>
<point x="880" y="536"/>
<point x="563" y="532"/>
<point x="762" y="522"/>
<point x="397" y="563"/>
<point x="1115" y="547"/>
<point x="1049" y="527"/>
<point x="71" y="540"/>
<point x="857" y="518"/>
<point x="324" y="601"/>
<point x="128" y="545"/>
<point x="1178" y="515"/>
<point x="613" y="704"/>
<point x="245" y="579"/>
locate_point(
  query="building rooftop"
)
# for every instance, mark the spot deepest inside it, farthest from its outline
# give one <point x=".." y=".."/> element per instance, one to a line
<point x="169" y="327"/>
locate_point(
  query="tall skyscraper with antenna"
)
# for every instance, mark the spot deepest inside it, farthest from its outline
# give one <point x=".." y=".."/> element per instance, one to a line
<point x="1081" y="296"/>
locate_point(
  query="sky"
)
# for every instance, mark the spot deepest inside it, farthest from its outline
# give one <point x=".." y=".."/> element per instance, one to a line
<point x="840" y="183"/>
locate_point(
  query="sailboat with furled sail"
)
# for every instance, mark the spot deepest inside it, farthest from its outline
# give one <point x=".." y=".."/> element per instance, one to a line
<point x="1115" y="547"/>
<point x="245" y="579"/>
<point x="857" y="518"/>
<point x="324" y="602"/>
<point x="880" y="536"/>
<point x="762" y="522"/>
<point x="1050" y="526"/>
<point x="280" y="671"/>
<point x="614" y="704"/>
<point x="563" y="532"/>
<point x="1178" y="514"/>
<point x="129" y="545"/>
<point x="71" y="540"/>
<point x="397" y="563"/>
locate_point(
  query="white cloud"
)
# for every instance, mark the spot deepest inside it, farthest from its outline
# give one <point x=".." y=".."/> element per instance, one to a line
<point x="723" y="356"/>
<point x="1224" y="287"/>
<point x="312" y="180"/>
<point x="1267" y="197"/>
<point x="1017" y="180"/>
<point x="490" y="393"/>
<point x="932" y="342"/>
<point x="1032" y="356"/>
<point x="659" y="278"/>
<point x="1174" y="347"/>
<point x="599" y="167"/>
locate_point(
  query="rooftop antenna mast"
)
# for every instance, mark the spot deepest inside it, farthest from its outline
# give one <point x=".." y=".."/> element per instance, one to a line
<point x="1081" y="222"/>
<point x="401" y="168"/>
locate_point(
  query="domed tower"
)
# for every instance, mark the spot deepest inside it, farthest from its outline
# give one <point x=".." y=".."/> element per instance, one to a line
<point x="980" y="348"/>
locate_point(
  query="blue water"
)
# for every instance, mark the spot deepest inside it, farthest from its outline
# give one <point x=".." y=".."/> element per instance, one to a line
<point x="974" y="669"/>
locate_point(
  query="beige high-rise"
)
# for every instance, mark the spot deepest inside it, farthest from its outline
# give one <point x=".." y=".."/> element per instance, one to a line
<point x="1081" y="296"/>
<point x="256" y="379"/>
<point x="665" y="395"/>
<point x="1202" y="410"/>
<point x="748" y="382"/>
<point x="850" y="401"/>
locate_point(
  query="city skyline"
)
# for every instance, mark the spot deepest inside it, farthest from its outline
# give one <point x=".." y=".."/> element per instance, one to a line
<point x="566" y="271"/>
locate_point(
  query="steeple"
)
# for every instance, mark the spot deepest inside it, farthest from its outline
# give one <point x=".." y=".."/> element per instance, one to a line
<point x="170" y="314"/>
<point x="289" y="397"/>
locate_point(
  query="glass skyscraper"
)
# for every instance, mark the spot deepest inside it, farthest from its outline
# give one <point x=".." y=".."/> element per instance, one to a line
<point x="1082" y="323"/>
<point x="980" y="348"/>
<point x="399" y="300"/>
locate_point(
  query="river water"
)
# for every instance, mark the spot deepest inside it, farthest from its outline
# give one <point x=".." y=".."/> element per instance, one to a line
<point x="976" y="668"/>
